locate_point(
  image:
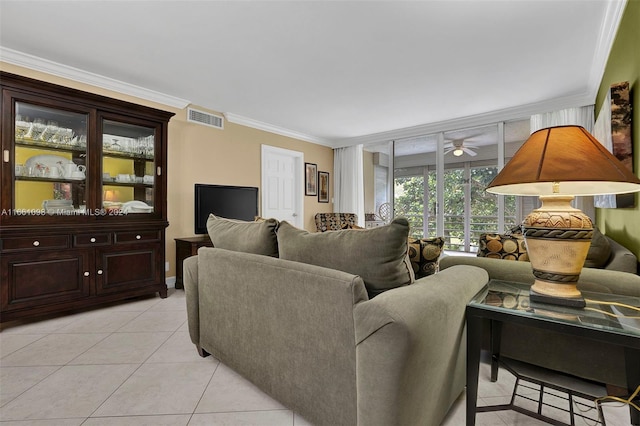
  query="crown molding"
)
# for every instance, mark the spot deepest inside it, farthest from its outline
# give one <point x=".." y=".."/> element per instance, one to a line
<point x="610" y="24"/>
<point x="54" y="68"/>
<point x="522" y="112"/>
<point x="259" y="125"/>
<point x="44" y="65"/>
<point x="608" y="31"/>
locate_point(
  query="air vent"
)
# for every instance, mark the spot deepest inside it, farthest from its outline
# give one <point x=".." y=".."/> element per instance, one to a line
<point x="205" y="118"/>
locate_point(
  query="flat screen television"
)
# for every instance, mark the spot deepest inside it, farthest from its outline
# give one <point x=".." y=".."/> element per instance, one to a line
<point x="231" y="202"/>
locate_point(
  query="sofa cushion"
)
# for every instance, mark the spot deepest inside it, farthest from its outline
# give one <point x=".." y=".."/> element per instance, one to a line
<point x="249" y="237"/>
<point x="502" y="246"/>
<point x="425" y="255"/>
<point x="599" y="251"/>
<point x="378" y="255"/>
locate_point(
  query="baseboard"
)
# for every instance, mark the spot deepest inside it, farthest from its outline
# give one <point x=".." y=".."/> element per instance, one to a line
<point x="171" y="282"/>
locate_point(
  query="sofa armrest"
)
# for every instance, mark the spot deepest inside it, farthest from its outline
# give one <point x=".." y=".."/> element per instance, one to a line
<point x="591" y="279"/>
<point x="411" y="348"/>
<point x="190" y="279"/>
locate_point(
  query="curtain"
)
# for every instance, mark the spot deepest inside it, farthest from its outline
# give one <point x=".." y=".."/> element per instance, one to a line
<point x="348" y="185"/>
<point x="581" y="116"/>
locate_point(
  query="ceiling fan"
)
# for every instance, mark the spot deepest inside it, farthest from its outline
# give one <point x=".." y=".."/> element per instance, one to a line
<point x="459" y="147"/>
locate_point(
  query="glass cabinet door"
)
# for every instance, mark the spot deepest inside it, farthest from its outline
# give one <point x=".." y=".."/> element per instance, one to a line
<point x="50" y="161"/>
<point x="128" y="168"/>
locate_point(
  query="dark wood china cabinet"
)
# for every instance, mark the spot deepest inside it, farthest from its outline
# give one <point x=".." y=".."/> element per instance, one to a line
<point x="83" y="199"/>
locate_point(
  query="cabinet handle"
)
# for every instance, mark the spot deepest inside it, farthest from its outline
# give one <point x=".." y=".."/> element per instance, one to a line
<point x="138" y="237"/>
<point x="93" y="240"/>
<point x="99" y="271"/>
<point x="36" y="243"/>
<point x="86" y="274"/>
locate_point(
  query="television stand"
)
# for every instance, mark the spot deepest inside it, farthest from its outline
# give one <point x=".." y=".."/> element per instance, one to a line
<point x="186" y="247"/>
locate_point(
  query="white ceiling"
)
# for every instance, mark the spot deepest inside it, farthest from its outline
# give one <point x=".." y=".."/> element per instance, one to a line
<point x="333" y="72"/>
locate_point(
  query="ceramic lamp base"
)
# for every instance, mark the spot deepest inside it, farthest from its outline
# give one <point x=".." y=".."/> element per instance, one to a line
<point x="558" y="238"/>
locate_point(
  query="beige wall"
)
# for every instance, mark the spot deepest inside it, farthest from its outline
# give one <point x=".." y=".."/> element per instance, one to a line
<point x="200" y="154"/>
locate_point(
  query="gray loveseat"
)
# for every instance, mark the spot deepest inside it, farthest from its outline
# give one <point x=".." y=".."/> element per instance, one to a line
<point x="584" y="358"/>
<point x="310" y="337"/>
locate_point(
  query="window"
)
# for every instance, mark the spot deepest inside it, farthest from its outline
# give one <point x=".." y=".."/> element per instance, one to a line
<point x="469" y="160"/>
<point x="381" y="185"/>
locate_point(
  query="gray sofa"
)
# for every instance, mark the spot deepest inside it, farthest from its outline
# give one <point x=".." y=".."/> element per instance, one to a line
<point x="621" y="259"/>
<point x="586" y="358"/>
<point x="604" y="252"/>
<point x="310" y="337"/>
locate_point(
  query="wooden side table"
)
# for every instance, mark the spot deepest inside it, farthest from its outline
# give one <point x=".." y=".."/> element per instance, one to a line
<point x="186" y="247"/>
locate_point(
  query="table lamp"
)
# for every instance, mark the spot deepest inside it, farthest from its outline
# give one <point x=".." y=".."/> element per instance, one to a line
<point x="556" y="164"/>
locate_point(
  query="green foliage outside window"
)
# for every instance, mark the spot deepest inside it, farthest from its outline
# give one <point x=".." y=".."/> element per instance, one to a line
<point x="410" y="199"/>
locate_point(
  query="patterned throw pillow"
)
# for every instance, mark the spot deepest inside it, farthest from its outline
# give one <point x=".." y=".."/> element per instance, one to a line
<point x="425" y="255"/>
<point x="502" y="246"/>
<point x="334" y="221"/>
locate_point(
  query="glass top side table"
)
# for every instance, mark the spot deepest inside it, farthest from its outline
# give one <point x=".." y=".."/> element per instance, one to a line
<point x="608" y="318"/>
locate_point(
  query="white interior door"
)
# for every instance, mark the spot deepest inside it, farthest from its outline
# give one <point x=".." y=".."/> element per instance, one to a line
<point x="282" y="183"/>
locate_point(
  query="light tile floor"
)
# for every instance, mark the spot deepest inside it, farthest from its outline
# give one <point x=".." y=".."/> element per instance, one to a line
<point x="132" y="364"/>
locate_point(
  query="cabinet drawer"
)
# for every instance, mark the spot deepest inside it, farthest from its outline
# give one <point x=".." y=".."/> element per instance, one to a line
<point x="136" y="237"/>
<point x="35" y="243"/>
<point x="89" y="240"/>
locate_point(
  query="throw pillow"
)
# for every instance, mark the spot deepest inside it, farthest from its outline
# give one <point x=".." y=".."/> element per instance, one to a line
<point x="425" y="255"/>
<point x="334" y="221"/>
<point x="248" y="237"/>
<point x="378" y="255"/>
<point x="501" y="246"/>
<point x="599" y="251"/>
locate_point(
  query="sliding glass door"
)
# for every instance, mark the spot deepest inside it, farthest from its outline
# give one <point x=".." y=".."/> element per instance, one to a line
<point x="455" y="167"/>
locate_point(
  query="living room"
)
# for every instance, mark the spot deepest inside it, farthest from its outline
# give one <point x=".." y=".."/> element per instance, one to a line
<point x="232" y="155"/>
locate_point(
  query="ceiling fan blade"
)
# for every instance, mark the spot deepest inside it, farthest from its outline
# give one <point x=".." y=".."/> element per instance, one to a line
<point x="449" y="150"/>
<point x="469" y="151"/>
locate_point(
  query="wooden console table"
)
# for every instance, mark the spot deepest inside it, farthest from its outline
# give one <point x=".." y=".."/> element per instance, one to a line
<point x="186" y="247"/>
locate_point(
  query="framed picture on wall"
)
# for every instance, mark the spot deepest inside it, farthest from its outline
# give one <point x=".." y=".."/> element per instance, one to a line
<point x="613" y="130"/>
<point x="310" y="179"/>
<point x="323" y="184"/>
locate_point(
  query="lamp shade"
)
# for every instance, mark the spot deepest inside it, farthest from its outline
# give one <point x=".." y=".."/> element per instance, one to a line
<point x="563" y="160"/>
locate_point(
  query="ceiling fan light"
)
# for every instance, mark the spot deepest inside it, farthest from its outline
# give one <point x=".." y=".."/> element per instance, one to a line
<point x="458" y="152"/>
